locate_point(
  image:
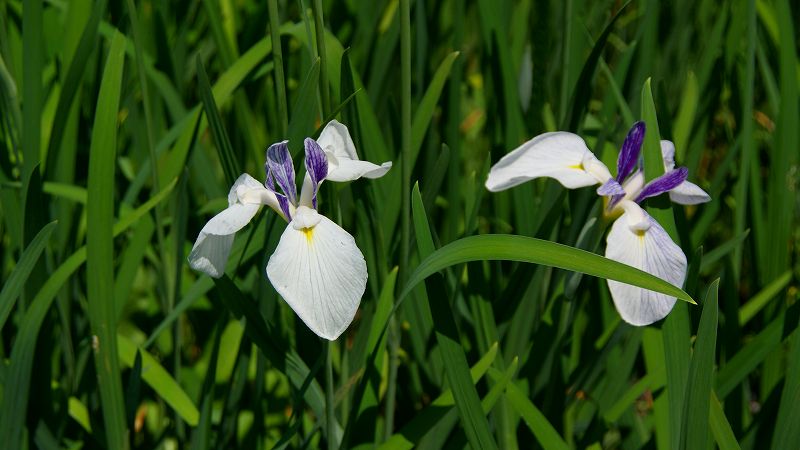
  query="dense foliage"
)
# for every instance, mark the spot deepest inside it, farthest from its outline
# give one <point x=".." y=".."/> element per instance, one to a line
<point x="124" y="124"/>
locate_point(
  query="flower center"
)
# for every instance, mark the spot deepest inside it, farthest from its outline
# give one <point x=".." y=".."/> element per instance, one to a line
<point x="305" y="219"/>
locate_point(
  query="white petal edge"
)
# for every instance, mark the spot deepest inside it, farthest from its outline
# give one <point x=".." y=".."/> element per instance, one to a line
<point x="343" y="162"/>
<point x="688" y="193"/>
<point x="560" y="155"/>
<point x="668" y="155"/>
<point x="335" y="138"/>
<point x="650" y="250"/>
<point x="321" y="274"/>
<point x="349" y="170"/>
<point x="213" y="245"/>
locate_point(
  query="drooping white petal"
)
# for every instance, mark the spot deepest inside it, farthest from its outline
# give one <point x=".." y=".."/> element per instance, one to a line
<point x="560" y="155"/>
<point x="320" y="272"/>
<point x="349" y="170"/>
<point x="688" y="193"/>
<point x="213" y="245"/>
<point x="639" y="241"/>
<point x="343" y="162"/>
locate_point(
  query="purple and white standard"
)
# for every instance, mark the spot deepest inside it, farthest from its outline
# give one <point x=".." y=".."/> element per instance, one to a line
<point x="317" y="267"/>
<point x="635" y="239"/>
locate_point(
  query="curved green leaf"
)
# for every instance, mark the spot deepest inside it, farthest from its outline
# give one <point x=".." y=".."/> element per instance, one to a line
<point x="160" y="380"/>
<point x="503" y="247"/>
<point x="13" y="285"/>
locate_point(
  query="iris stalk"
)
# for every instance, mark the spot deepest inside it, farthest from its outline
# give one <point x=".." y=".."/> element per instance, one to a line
<point x="277" y="54"/>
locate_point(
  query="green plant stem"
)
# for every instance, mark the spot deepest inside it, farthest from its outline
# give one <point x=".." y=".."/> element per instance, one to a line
<point x="330" y="407"/>
<point x="323" y="60"/>
<point x="277" y="55"/>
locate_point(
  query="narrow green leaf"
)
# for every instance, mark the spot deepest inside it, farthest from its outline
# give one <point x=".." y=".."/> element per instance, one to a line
<point x="695" y="429"/>
<point x="762" y="298"/>
<point x="720" y="427"/>
<point x="100" y="247"/>
<point x="541" y="428"/>
<point x="77" y="67"/>
<point x="429" y="417"/>
<point x="221" y="140"/>
<point x="582" y="91"/>
<point x="494" y="247"/>
<point x="427" y="106"/>
<point x="782" y="185"/>
<point x="718" y="253"/>
<point x="475" y="424"/>
<point x="12" y="287"/>
<point x="749" y="357"/>
<point x="787" y="433"/>
<point x="78" y="411"/>
<point x="304" y="110"/>
<point x="159" y="379"/>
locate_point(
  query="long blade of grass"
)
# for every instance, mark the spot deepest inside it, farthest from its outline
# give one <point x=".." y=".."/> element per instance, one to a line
<point x="498" y="247"/>
<point x="229" y="164"/>
<point x="476" y="426"/>
<point x="100" y="247"/>
<point x="304" y="110"/>
<point x="763" y="297"/>
<point x="720" y="427"/>
<point x="159" y="379"/>
<point x="13" y="285"/>
<point x="545" y="434"/>
<point x="695" y="429"/>
<point x="431" y="416"/>
<point x="75" y="72"/>
<point x="582" y="91"/>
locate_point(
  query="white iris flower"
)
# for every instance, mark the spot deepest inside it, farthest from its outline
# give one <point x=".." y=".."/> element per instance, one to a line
<point x="635" y="239"/>
<point x="317" y="267"/>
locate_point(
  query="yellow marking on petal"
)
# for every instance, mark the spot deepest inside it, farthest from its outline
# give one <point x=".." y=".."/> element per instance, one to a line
<point x="640" y="234"/>
<point x="309" y="232"/>
<point x="578" y="166"/>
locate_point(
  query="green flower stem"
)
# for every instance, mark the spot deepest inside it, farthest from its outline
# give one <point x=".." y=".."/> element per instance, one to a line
<point x="277" y="54"/>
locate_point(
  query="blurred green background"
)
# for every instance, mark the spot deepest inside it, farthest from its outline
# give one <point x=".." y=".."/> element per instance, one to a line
<point x="127" y="121"/>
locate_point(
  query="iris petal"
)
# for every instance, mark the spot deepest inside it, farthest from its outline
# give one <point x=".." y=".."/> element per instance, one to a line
<point x="688" y="193"/>
<point x="213" y="245"/>
<point x="281" y="169"/>
<point x="560" y="155"/>
<point x="639" y="241"/>
<point x="316" y="170"/>
<point x="343" y="162"/>
<point x="321" y="274"/>
<point x="664" y="183"/>
<point x="629" y="154"/>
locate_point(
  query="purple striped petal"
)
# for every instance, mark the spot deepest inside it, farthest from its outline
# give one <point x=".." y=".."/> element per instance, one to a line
<point x="629" y="154"/>
<point x="283" y="202"/>
<point x="279" y="166"/>
<point x="664" y="183"/>
<point x="316" y="165"/>
<point x="611" y="187"/>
